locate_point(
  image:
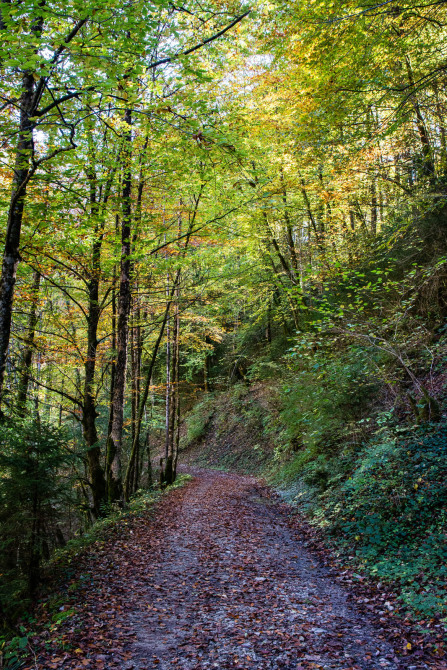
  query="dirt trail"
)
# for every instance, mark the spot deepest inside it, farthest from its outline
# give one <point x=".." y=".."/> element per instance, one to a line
<point x="232" y="589"/>
<point x="216" y="580"/>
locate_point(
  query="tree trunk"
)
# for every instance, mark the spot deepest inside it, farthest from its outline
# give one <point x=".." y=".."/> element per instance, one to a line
<point x="373" y="207"/>
<point x="11" y="255"/>
<point x="25" y="372"/>
<point x="176" y="428"/>
<point x="143" y="400"/>
<point x="134" y="471"/>
<point x="114" y="484"/>
<point x="289" y="231"/>
<point x="89" y="413"/>
<point x="317" y="231"/>
<point x="428" y="167"/>
<point x="113" y="369"/>
<point x="149" y="474"/>
<point x="167" y="470"/>
<point x="171" y="460"/>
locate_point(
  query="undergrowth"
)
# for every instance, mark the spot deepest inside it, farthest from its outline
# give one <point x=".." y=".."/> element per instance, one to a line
<point x="228" y="431"/>
<point x="373" y="482"/>
<point x="385" y="506"/>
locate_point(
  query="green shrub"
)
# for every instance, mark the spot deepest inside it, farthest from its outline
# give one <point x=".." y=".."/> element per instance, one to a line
<point x="393" y="510"/>
<point x="198" y="419"/>
<point x="324" y="399"/>
<point x="34" y="486"/>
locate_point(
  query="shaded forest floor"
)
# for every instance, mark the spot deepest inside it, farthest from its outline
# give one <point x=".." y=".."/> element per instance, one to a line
<point x="218" y="578"/>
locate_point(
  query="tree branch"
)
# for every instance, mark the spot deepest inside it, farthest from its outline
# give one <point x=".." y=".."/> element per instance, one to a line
<point x="169" y="59"/>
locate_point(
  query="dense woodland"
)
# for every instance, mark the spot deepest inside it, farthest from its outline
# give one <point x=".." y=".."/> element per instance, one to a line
<point x="209" y="203"/>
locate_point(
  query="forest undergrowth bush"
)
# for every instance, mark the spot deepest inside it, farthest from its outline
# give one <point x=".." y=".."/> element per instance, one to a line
<point x="35" y="493"/>
<point x="229" y="431"/>
<point x="198" y="419"/>
<point x="391" y="511"/>
<point x="324" y="401"/>
<point x="379" y="497"/>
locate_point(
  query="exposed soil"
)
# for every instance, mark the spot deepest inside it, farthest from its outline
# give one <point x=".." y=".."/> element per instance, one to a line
<point x="234" y="434"/>
<point x="217" y="580"/>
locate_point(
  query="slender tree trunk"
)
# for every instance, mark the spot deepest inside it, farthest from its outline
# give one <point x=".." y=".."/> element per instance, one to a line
<point x="167" y="462"/>
<point x="428" y="167"/>
<point x="25" y="372"/>
<point x="268" y="329"/>
<point x="174" y="407"/>
<point x="373" y="207"/>
<point x="149" y="473"/>
<point x="442" y="134"/>
<point x="176" y="430"/>
<point x="317" y="231"/>
<point x="170" y="463"/>
<point x="11" y="255"/>
<point x="114" y="484"/>
<point x="274" y="242"/>
<point x="133" y="393"/>
<point x="112" y="377"/>
<point x="134" y="471"/>
<point x="289" y="230"/>
<point x="89" y="413"/>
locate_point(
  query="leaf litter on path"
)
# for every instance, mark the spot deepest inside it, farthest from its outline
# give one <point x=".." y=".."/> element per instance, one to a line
<point x="217" y="579"/>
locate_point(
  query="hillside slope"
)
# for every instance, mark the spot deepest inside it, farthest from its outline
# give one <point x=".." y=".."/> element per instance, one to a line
<point x="379" y="505"/>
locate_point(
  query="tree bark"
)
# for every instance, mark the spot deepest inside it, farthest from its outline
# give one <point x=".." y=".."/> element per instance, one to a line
<point x="114" y="484"/>
<point x="428" y="166"/>
<point x="176" y="428"/>
<point x="11" y="255"/>
<point x="89" y="413"/>
<point x="167" y="462"/>
<point x="25" y="372"/>
<point x="289" y="230"/>
<point x="373" y="207"/>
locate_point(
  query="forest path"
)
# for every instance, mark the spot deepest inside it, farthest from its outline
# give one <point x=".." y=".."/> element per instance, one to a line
<point x="215" y="580"/>
<point x="230" y="587"/>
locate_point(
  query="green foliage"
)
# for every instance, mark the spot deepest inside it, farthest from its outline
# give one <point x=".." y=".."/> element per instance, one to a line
<point x="13" y="649"/>
<point x="323" y="399"/>
<point x="384" y="503"/>
<point x="198" y="420"/>
<point x="393" y="508"/>
<point x="34" y="484"/>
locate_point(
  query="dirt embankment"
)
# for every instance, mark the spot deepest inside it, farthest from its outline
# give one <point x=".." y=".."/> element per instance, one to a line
<point x="233" y="430"/>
